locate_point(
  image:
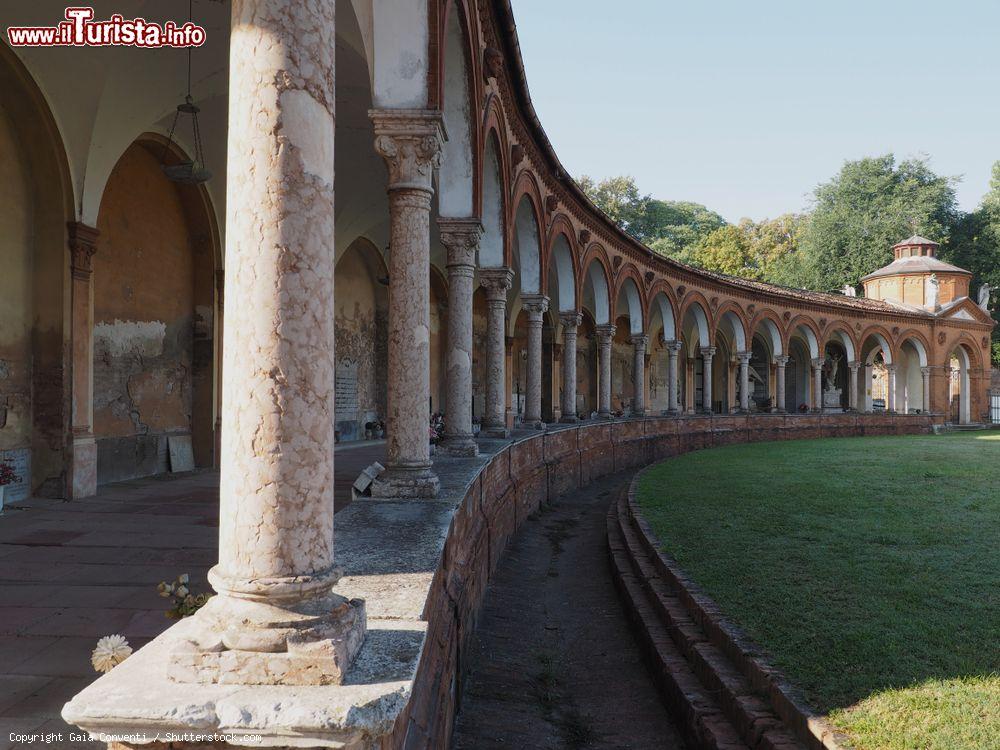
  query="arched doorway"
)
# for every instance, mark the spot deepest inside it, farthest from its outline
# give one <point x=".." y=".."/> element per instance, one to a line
<point x="960" y="386"/>
<point x="154" y="320"/>
<point x="361" y="326"/>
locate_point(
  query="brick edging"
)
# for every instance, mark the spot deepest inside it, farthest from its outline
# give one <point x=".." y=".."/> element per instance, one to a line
<point x="786" y="700"/>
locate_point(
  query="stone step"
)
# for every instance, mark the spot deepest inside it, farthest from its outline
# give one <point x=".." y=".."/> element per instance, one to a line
<point x="746" y="711"/>
<point x="699" y="714"/>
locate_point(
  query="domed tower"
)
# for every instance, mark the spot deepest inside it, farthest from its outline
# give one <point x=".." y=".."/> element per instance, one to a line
<point x="917" y="278"/>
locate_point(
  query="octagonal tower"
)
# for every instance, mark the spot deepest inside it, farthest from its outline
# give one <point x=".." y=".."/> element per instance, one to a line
<point x="916" y="277"/>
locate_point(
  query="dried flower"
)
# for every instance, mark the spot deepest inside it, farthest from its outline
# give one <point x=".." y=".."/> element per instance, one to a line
<point x="111" y="651"/>
<point x="185" y="603"/>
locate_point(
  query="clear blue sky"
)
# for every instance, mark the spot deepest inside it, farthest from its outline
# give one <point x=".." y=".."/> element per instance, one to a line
<point x="746" y="106"/>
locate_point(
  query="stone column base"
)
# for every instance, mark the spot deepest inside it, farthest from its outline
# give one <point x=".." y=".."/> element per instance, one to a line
<point x="605" y="415"/>
<point x="404" y="482"/>
<point x="460" y="446"/>
<point x="83" y="467"/>
<point x="495" y="432"/>
<point x="321" y="637"/>
<point x="673" y="412"/>
<point x="569" y="420"/>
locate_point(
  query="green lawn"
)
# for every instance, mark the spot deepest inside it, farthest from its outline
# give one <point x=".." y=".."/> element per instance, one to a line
<point x="868" y="568"/>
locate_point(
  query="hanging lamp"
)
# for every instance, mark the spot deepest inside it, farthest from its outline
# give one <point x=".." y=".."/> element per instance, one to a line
<point x="191" y="172"/>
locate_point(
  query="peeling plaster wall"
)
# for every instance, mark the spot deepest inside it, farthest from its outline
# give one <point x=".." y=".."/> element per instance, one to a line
<point x="361" y="331"/>
<point x="144" y="320"/>
<point x="15" y="293"/>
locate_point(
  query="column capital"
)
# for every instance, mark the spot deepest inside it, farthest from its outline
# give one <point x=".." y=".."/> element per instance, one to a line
<point x="818" y="363"/>
<point x="708" y="351"/>
<point x="673" y="346"/>
<point x="640" y="340"/>
<point x="461" y="239"/>
<point x="744" y="357"/>
<point x="782" y="360"/>
<point x="890" y="368"/>
<point x="571" y="318"/>
<point x="606" y="332"/>
<point x="535" y="305"/>
<point x="497" y="282"/>
<point x="854" y="365"/>
<point x="925" y="370"/>
<point x="82" y="246"/>
<point x="409" y="140"/>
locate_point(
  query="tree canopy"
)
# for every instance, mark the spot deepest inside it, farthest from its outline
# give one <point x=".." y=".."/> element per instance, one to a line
<point x="854" y="220"/>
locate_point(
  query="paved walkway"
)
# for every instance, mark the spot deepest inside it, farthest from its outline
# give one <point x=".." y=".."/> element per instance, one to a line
<point x="554" y="662"/>
<point x="71" y="572"/>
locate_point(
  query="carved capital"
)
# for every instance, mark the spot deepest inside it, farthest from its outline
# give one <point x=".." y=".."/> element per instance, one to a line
<point x="744" y="357"/>
<point x="782" y="360"/>
<point x="497" y="282"/>
<point x="707" y="352"/>
<point x="409" y="140"/>
<point x="818" y="363"/>
<point x="640" y="340"/>
<point x="854" y="365"/>
<point x="571" y="319"/>
<point x="82" y="246"/>
<point x="673" y="346"/>
<point x="461" y="239"/>
<point x="606" y="332"/>
<point x="535" y="305"/>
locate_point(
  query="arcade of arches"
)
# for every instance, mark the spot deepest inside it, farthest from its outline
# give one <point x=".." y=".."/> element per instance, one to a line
<point x="252" y="320"/>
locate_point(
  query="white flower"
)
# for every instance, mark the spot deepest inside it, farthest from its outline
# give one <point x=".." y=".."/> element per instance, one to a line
<point x="182" y="591"/>
<point x="182" y="578"/>
<point x="111" y="651"/>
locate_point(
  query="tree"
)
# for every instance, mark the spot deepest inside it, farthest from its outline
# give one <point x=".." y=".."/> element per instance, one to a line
<point x="869" y="206"/>
<point x="975" y="246"/>
<point x="752" y="250"/>
<point x="668" y="227"/>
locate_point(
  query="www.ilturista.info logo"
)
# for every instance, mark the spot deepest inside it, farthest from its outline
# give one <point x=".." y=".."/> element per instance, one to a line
<point x="80" y="30"/>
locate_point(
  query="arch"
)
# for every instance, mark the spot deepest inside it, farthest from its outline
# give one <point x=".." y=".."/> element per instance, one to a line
<point x="731" y="315"/>
<point x="807" y="330"/>
<point x="527" y="249"/>
<point x="839" y="333"/>
<point x="596" y="291"/>
<point x="882" y="339"/>
<point x="769" y="322"/>
<point x="456" y="181"/>
<point x="34" y="328"/>
<point x="628" y="298"/>
<point x="661" y="310"/>
<point x="493" y="247"/>
<point x="154" y="364"/>
<point x="559" y="227"/>
<point x="960" y="381"/>
<point x="919" y="343"/>
<point x="696" y="306"/>
<point x="561" y="285"/>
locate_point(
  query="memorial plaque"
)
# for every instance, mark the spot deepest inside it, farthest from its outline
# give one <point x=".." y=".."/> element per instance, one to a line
<point x="345" y="392"/>
<point x="19" y="460"/>
<point x="181" y="453"/>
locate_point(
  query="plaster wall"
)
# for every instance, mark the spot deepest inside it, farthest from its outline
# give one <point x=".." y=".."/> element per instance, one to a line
<point x="144" y="320"/>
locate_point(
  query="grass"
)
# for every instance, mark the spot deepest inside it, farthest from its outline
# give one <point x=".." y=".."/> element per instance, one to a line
<point x="867" y="568"/>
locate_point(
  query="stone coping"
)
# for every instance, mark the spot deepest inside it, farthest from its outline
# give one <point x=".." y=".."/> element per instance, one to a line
<point x="808" y="725"/>
<point x="395" y="555"/>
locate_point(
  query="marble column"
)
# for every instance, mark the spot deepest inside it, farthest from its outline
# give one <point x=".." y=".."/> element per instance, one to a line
<point x="744" y="358"/>
<point x="639" y="342"/>
<point x="570" y="322"/>
<point x="707" y="353"/>
<point x="410" y="143"/>
<point x="275" y="619"/>
<point x="82" y="480"/>
<point x="673" y="350"/>
<point x="536" y="305"/>
<point x="461" y="239"/>
<point x="220" y="332"/>
<point x="497" y="283"/>
<point x="817" y="389"/>
<point x="605" y="337"/>
<point x="890" y="402"/>
<point x="779" y="383"/>
<point x="926" y="404"/>
<point x="852" y="396"/>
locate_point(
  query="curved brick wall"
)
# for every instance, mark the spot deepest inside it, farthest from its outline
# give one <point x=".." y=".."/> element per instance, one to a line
<point x="525" y="474"/>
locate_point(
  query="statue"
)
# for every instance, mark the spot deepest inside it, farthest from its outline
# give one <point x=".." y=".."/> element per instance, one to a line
<point x="933" y="286"/>
<point x="833" y="364"/>
<point x="849" y="291"/>
<point x="984" y="296"/>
